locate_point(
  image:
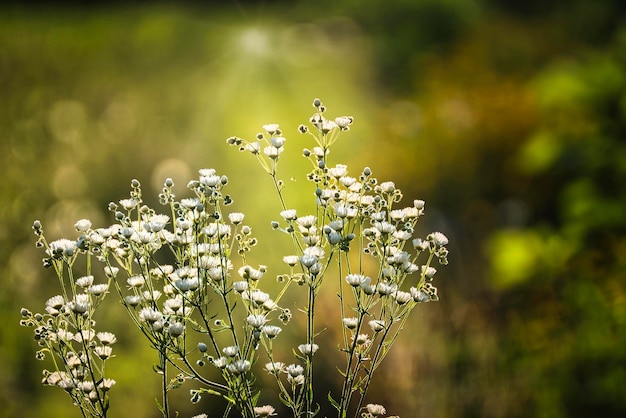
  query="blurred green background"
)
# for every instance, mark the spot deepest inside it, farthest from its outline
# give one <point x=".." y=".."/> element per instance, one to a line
<point x="508" y="118"/>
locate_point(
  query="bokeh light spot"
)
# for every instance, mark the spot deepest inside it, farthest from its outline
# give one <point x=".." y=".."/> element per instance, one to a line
<point x="67" y="119"/>
<point x="174" y="168"/>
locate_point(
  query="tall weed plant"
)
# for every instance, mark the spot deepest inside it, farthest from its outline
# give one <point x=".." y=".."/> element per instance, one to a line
<point x="182" y="274"/>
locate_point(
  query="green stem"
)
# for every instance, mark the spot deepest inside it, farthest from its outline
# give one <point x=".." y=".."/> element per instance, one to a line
<point x="349" y="376"/>
<point x="373" y="364"/>
<point x="90" y="367"/>
<point x="310" y="340"/>
<point x="163" y="365"/>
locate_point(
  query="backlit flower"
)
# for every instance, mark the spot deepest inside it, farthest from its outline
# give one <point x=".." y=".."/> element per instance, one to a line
<point x="264" y="411"/>
<point x="356" y="280"/>
<point x="236" y="217"/>
<point x="289" y="214"/>
<point x="103" y="351"/>
<point x="438" y="239"/>
<point x="402" y="297"/>
<point x="256" y="321"/>
<point x="82" y="225"/>
<point x="106" y="338"/>
<point x="291" y="260"/>
<point x="275" y="367"/>
<point x="271" y="331"/>
<point x="62" y="247"/>
<point x="106" y="384"/>
<point x="306" y="221"/>
<point x="350" y="323"/>
<point x="272" y="152"/>
<point x="98" y="289"/>
<point x="308" y="349"/>
<point x="238" y="366"/>
<point x="377" y="325"/>
<point x="150" y="315"/>
<point x="176" y="329"/>
<point x="230" y="351"/>
<point x="294" y="370"/>
<point x="271" y="128"/>
<point x="375" y="409"/>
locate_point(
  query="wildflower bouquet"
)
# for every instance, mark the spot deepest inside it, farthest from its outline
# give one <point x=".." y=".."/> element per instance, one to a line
<point x="174" y="275"/>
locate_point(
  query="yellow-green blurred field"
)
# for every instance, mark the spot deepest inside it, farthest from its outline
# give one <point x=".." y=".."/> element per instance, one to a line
<point x="508" y="119"/>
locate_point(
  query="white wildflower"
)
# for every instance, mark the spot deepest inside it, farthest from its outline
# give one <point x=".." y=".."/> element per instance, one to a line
<point x="356" y="280"/>
<point x="106" y="338"/>
<point x="82" y="225"/>
<point x="271" y="128"/>
<point x="98" y="289"/>
<point x="264" y="411"/>
<point x="236" y="217"/>
<point x="289" y="214"/>
<point x="238" y="366"/>
<point x="375" y="409"/>
<point x="438" y="239"/>
<point x="275" y="367"/>
<point x="377" y="325"/>
<point x="350" y="323"/>
<point x="308" y="349"/>
<point x="103" y="351"/>
<point x="271" y="331"/>
<point x="256" y="321"/>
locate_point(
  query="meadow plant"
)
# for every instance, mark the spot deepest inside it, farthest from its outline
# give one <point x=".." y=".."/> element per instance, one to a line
<point x="184" y="279"/>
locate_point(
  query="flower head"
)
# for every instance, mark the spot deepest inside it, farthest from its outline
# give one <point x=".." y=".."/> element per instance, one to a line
<point x="256" y="321"/>
<point x="103" y="351"/>
<point x="402" y="297"/>
<point x="62" y="247"/>
<point x="291" y="260"/>
<point x="272" y="152"/>
<point x="98" y="289"/>
<point x="238" y="366"/>
<point x="106" y="338"/>
<point x="236" y="217"/>
<point x="438" y="239"/>
<point x="293" y="370"/>
<point x="289" y="214"/>
<point x="350" y="323"/>
<point x="230" y="351"/>
<point x="377" y="325"/>
<point x="308" y="349"/>
<point x="55" y="301"/>
<point x="271" y="331"/>
<point x="356" y="280"/>
<point x="264" y="411"/>
<point x="375" y="409"/>
<point x="275" y="367"/>
<point x="82" y="225"/>
<point x="80" y="304"/>
<point x="150" y="315"/>
<point x="344" y="122"/>
<point x="176" y="329"/>
<point x="271" y="128"/>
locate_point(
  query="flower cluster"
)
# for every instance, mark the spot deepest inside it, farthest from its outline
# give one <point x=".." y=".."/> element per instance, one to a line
<point x="67" y="333"/>
<point x="185" y="282"/>
<point x="357" y="227"/>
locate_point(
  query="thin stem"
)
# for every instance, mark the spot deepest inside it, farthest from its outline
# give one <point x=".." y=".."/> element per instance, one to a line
<point x="341" y="304"/>
<point x="374" y="363"/>
<point x="163" y="366"/>
<point x="350" y="375"/>
<point x="310" y="340"/>
<point x="279" y="191"/>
